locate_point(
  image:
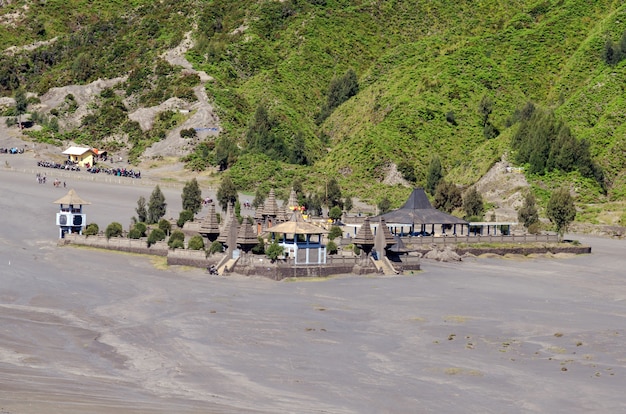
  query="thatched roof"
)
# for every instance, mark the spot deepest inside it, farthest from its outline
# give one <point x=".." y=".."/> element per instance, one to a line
<point x="270" y="207"/>
<point x="296" y="225"/>
<point x="210" y="225"/>
<point x="364" y="236"/>
<point x="418" y="210"/>
<point x="246" y="234"/>
<point x="71" y="198"/>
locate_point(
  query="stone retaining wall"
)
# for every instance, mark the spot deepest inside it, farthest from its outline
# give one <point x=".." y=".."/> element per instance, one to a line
<point x="121" y="244"/>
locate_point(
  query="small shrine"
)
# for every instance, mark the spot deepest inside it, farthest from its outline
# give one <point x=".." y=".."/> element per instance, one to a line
<point x="70" y="217"/>
<point x="210" y="227"/>
<point x="300" y="240"/>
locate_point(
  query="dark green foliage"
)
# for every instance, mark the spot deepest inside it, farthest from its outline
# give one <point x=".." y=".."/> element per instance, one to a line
<point x="547" y="144"/>
<point x="192" y="196"/>
<point x="188" y="133"/>
<point x="91" y="230"/>
<point x="561" y="210"/>
<point x="331" y="247"/>
<point x="21" y="103"/>
<point x="238" y="211"/>
<point x="451" y="118"/>
<point x="356" y="250"/>
<point x="433" y="175"/>
<point x="340" y="90"/>
<point x="176" y="240"/>
<point x="141" y="227"/>
<point x="226" y="193"/>
<point x="216" y="247"/>
<point x="274" y="251"/>
<point x="113" y="230"/>
<point x="156" y="206"/>
<point x="226" y="152"/>
<point x="155" y="236"/>
<point x="142" y="210"/>
<point x="527" y="214"/>
<point x="447" y="197"/>
<point x="261" y="136"/>
<point x="134" y="233"/>
<point x="335" y="213"/>
<point x="407" y="170"/>
<point x="335" y="231"/>
<point x="298" y="153"/>
<point x="259" y="248"/>
<point x="473" y="203"/>
<point x="485" y="108"/>
<point x="384" y="205"/>
<point x="183" y="217"/>
<point x="347" y="203"/>
<point x="613" y="53"/>
<point x="333" y="193"/>
<point x="195" y="243"/>
<point x="259" y="198"/>
<point x="165" y="226"/>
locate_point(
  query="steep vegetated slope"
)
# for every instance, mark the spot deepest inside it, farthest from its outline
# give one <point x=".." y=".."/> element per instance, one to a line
<point x="432" y="78"/>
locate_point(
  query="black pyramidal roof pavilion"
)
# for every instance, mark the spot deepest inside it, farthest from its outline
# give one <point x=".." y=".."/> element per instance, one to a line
<point x="418" y="210"/>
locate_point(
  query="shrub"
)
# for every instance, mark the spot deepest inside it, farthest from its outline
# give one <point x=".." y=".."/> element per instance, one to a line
<point x="356" y="250"/>
<point x="176" y="236"/>
<point x="184" y="217"/>
<point x="155" y="236"/>
<point x="274" y="251"/>
<point x="335" y="231"/>
<point x="534" y="228"/>
<point x="91" y="230"/>
<point x="113" y="230"/>
<point x="196" y="243"/>
<point x="216" y="247"/>
<point x="165" y="226"/>
<point x="141" y="227"/>
<point x="134" y="233"/>
<point x="331" y="247"/>
<point x="176" y="244"/>
<point x="259" y="248"/>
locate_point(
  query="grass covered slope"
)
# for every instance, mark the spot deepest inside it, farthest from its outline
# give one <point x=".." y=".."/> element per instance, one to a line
<point x="423" y="69"/>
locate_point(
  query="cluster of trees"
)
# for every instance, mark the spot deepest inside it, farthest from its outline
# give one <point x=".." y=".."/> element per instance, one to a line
<point x="614" y="52"/>
<point x="546" y="143"/>
<point x="340" y="90"/>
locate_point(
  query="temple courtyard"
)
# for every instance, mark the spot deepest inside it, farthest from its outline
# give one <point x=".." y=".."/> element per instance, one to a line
<point x="90" y="331"/>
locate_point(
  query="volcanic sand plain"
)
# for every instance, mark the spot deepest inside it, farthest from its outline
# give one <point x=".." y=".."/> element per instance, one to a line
<point x="90" y="331"/>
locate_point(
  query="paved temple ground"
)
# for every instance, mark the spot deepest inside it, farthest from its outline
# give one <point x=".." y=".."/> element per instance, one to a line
<point x="87" y="331"/>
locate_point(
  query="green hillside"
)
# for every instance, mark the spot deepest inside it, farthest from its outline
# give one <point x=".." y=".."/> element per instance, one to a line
<point x="423" y="68"/>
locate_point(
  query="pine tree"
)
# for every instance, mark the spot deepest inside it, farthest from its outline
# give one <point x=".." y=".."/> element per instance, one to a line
<point x="142" y="212"/>
<point x="156" y="206"/>
<point x="333" y="193"/>
<point x="561" y="210"/>
<point x="528" y="214"/>
<point x="447" y="197"/>
<point x="192" y="196"/>
<point x="433" y="175"/>
<point x="21" y="103"/>
<point x="226" y="193"/>
<point x="473" y="203"/>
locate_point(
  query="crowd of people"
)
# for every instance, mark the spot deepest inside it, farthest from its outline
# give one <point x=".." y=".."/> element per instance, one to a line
<point x="118" y="172"/>
<point x="69" y="166"/>
<point x="50" y="164"/>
